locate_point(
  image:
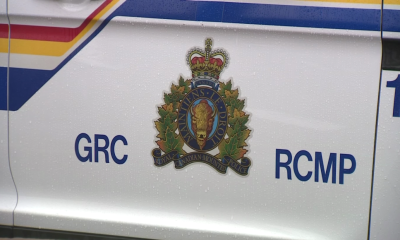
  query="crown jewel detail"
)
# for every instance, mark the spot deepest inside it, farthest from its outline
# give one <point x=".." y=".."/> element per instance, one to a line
<point x="206" y="63"/>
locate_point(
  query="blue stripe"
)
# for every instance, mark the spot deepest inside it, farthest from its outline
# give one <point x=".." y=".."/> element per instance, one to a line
<point x="164" y="9"/>
<point x="24" y="83"/>
<point x="209" y="12"/>
<point x="391" y="20"/>
<point x="249" y="13"/>
<point x="300" y="16"/>
<point x="3" y="88"/>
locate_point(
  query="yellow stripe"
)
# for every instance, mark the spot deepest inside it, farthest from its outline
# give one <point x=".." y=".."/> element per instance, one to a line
<point x="50" y="48"/>
<point x="396" y="2"/>
<point x="4" y="45"/>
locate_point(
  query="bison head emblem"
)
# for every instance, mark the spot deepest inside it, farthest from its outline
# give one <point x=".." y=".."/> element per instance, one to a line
<point x="202" y="121"/>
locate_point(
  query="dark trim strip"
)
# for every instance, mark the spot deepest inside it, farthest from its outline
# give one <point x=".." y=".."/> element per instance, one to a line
<point x="34" y="233"/>
<point x="391" y="54"/>
<point x="5" y="232"/>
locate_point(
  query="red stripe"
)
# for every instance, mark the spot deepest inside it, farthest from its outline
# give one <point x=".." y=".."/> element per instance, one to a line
<point x="43" y="33"/>
<point x="3" y="30"/>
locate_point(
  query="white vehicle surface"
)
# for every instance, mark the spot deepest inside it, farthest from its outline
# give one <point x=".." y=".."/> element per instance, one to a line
<point x="174" y="119"/>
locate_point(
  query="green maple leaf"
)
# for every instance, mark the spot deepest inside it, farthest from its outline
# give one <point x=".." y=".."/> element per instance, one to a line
<point x="231" y="148"/>
<point x="168" y="111"/>
<point x="163" y="124"/>
<point x="163" y="113"/>
<point x="172" y="142"/>
<point x="222" y="150"/>
<point x="242" y="134"/>
<point x="168" y="98"/>
<point x="173" y="116"/>
<point x="242" y="120"/>
<point x="185" y="84"/>
<point x="172" y="98"/>
<point x="166" y="124"/>
<point x="237" y="130"/>
<point x="231" y="110"/>
<point x="231" y="94"/>
<point x="177" y="94"/>
<point x="228" y="147"/>
<point x="233" y="104"/>
<point x="175" y="99"/>
<point x="225" y="87"/>
<point x="176" y="89"/>
<point x="242" y="140"/>
<point x="237" y="104"/>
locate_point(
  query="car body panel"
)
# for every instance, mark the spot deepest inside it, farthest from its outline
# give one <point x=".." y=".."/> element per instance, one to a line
<point x="137" y="198"/>
<point x="308" y="72"/>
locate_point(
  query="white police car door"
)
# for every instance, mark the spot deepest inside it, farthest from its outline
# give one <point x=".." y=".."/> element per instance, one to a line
<point x="194" y="119"/>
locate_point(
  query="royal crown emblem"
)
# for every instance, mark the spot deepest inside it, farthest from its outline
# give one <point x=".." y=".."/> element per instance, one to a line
<point x="201" y="115"/>
<point x="207" y="64"/>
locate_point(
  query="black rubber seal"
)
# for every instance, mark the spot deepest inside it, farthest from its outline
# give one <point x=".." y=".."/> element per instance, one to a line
<point x="391" y="54"/>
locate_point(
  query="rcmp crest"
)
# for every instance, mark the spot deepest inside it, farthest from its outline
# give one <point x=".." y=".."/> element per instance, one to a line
<point x="203" y="114"/>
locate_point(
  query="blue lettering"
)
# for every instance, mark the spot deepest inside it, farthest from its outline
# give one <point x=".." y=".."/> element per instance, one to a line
<point x="296" y="163"/>
<point x="112" y="148"/>
<point x="319" y="164"/>
<point x="98" y="149"/>
<point x="396" y="85"/>
<point x="279" y="164"/>
<point x="88" y="149"/>
<point x="331" y="166"/>
<point x="342" y="170"/>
